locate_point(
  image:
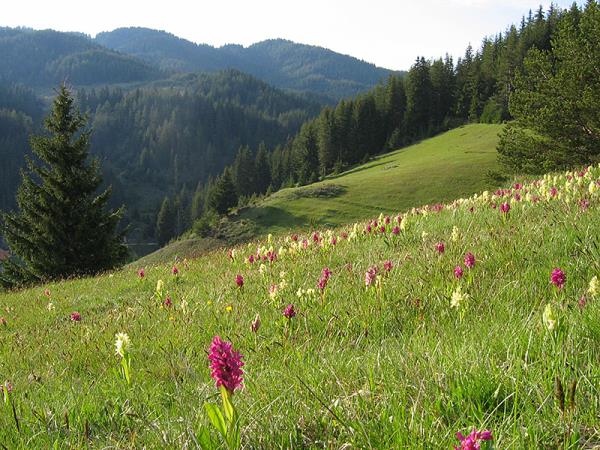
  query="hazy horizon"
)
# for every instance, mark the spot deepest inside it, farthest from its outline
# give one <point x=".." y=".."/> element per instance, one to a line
<point x="387" y="34"/>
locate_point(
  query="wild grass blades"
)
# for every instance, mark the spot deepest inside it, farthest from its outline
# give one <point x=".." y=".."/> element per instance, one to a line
<point x="394" y="361"/>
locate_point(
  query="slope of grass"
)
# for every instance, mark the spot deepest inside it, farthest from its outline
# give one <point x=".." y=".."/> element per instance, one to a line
<point x="439" y="169"/>
<point x="442" y="168"/>
<point x="390" y="365"/>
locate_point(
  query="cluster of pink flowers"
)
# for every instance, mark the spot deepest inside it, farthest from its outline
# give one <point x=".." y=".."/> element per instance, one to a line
<point x="458" y="272"/>
<point x="440" y="247"/>
<point x="325" y="275"/>
<point x="269" y="256"/>
<point x="239" y="280"/>
<point x="371" y="275"/>
<point x="225" y="364"/>
<point x="470" y="260"/>
<point x="472" y="441"/>
<point x="75" y="316"/>
<point x="289" y="312"/>
<point x="558" y="278"/>
<point x="505" y="208"/>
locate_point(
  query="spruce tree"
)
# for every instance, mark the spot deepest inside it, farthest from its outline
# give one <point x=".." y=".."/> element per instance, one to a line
<point x="61" y="228"/>
<point x="166" y="222"/>
<point x="263" y="169"/>
<point x="223" y="194"/>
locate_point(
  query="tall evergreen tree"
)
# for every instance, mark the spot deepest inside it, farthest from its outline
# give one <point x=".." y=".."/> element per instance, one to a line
<point x="61" y="228"/>
<point x="223" y="194"/>
<point x="262" y="169"/>
<point x="166" y="222"/>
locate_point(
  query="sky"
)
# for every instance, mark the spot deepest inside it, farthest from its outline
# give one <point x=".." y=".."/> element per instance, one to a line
<point x="387" y="33"/>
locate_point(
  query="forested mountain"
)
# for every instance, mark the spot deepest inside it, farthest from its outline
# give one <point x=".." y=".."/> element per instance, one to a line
<point x="161" y="139"/>
<point x="20" y="109"/>
<point x="46" y="58"/>
<point x="282" y="63"/>
<point x="434" y="96"/>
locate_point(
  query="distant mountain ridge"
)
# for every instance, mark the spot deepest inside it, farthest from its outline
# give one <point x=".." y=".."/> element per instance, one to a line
<point x="45" y="58"/>
<point x="282" y="63"/>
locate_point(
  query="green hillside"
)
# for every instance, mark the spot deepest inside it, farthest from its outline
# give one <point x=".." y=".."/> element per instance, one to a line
<point x="395" y="351"/>
<point x="439" y="169"/>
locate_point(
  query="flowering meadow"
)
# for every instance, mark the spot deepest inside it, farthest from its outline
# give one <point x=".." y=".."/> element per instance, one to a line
<point x="474" y="324"/>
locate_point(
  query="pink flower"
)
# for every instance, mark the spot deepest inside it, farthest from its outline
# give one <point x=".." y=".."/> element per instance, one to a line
<point x="168" y="302"/>
<point x="325" y="274"/>
<point x="388" y="265"/>
<point x="344" y="235"/>
<point x="141" y="273"/>
<point x="251" y="259"/>
<point x="47" y="292"/>
<point x="553" y="191"/>
<point x="333" y="240"/>
<point x="584" y="204"/>
<point x="226" y="365"/>
<point x="387" y="220"/>
<point x="294" y="237"/>
<point x="75" y="316"/>
<point x="239" y="280"/>
<point x="505" y="208"/>
<point x="582" y="302"/>
<point x="316" y="237"/>
<point x="382" y="228"/>
<point x="396" y="230"/>
<point x="558" y="278"/>
<point x="370" y="275"/>
<point x="458" y="272"/>
<point x="518" y="186"/>
<point x="289" y="312"/>
<point x="174" y="270"/>
<point x="3" y="321"/>
<point x="471" y="442"/>
<point x="470" y="260"/>
<point x="440" y="247"/>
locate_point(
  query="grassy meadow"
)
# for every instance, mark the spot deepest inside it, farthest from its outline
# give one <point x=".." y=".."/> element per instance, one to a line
<point x="400" y="349"/>
<point x="451" y="165"/>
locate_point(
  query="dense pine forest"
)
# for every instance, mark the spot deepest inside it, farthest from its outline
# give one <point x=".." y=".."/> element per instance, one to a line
<point x="158" y="140"/>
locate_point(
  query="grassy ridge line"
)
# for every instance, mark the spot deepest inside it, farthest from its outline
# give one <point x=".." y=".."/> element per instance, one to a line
<point x="395" y="361"/>
<point x="449" y="166"/>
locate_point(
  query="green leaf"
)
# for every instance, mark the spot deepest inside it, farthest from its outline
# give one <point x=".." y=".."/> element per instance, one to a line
<point x="204" y="439"/>
<point x="227" y="405"/>
<point x="216" y="418"/>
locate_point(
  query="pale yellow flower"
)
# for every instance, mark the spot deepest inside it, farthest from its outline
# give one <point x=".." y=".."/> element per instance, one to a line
<point x="549" y="318"/>
<point x="594" y="286"/>
<point x="122" y="344"/>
